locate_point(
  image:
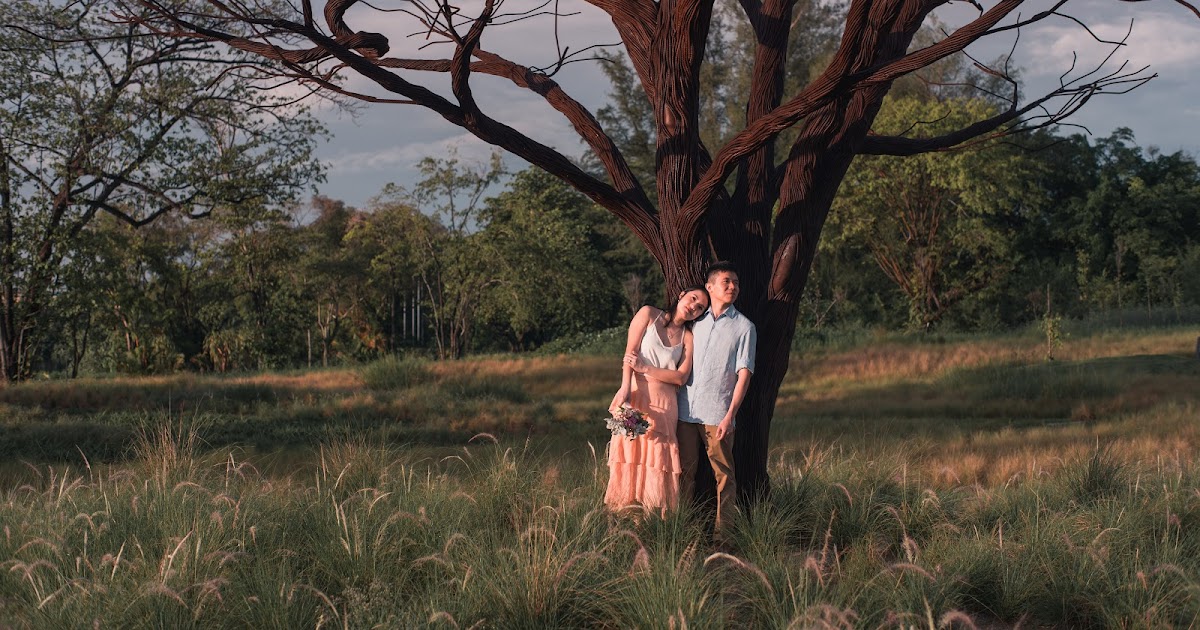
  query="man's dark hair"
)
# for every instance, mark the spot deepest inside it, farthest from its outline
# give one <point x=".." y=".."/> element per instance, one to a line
<point x="718" y="267"/>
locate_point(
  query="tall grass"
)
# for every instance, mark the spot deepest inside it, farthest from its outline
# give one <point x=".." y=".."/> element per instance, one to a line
<point x="963" y="483"/>
<point x="512" y="536"/>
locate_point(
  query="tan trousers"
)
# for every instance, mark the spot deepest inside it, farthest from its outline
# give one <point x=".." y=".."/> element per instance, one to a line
<point x="720" y="455"/>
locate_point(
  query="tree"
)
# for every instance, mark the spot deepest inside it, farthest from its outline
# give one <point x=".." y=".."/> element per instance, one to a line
<point x="137" y="284"/>
<point x="98" y="118"/>
<point x="769" y="222"/>
<point x="331" y="272"/>
<point x="1135" y="222"/>
<point x="392" y="267"/>
<point x="540" y="219"/>
<point x="1114" y="226"/>
<point x="454" y="268"/>
<point x="936" y="225"/>
<point x="255" y="311"/>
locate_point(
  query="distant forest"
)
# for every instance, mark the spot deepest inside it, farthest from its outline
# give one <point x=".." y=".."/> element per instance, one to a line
<point x="442" y="270"/>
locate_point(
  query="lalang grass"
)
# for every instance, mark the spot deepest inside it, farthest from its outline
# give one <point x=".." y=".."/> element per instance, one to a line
<point x="964" y="483"/>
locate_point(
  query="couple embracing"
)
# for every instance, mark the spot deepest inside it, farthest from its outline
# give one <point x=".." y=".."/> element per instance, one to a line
<point x="687" y="368"/>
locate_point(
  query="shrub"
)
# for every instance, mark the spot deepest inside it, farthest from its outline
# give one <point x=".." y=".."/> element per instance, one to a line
<point x="396" y="372"/>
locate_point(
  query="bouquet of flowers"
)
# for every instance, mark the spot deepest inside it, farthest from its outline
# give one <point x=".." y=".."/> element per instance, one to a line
<point x="627" y="421"/>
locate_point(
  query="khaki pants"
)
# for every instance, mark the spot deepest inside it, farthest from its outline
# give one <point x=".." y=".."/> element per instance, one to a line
<point x="720" y="456"/>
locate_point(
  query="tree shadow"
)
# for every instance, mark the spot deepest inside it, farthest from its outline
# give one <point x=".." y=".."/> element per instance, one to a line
<point x="1002" y="395"/>
<point x="103" y="420"/>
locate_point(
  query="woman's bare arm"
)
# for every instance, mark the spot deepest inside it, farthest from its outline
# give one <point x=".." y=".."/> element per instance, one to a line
<point x="633" y="341"/>
<point x="675" y="377"/>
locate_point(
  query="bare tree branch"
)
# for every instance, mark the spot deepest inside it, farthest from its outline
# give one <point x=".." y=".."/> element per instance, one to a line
<point x="1075" y="92"/>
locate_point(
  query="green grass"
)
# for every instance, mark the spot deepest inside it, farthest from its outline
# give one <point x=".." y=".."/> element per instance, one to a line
<point x="956" y="483"/>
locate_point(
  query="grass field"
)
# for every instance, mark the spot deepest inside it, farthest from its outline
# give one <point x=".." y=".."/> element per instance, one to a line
<point x="963" y="482"/>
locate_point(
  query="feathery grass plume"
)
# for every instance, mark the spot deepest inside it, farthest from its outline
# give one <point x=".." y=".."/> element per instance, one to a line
<point x="348" y="466"/>
<point x="540" y="566"/>
<point x="671" y="582"/>
<point x="168" y="450"/>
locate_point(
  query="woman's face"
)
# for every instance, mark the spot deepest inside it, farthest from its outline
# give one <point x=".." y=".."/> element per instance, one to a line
<point x="692" y="305"/>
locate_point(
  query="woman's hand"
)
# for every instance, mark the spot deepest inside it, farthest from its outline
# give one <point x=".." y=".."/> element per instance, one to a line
<point x="621" y="398"/>
<point x="634" y="361"/>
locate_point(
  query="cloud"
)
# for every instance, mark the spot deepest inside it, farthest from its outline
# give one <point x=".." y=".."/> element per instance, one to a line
<point x="399" y="136"/>
<point x="1163" y="43"/>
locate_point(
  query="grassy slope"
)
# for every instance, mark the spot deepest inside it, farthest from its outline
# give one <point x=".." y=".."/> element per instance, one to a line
<point x="966" y="482"/>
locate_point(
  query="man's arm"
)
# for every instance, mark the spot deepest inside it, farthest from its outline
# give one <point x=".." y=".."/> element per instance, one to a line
<point x="739" y="393"/>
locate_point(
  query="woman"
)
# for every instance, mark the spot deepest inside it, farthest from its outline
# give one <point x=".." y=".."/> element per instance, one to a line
<point x="644" y="472"/>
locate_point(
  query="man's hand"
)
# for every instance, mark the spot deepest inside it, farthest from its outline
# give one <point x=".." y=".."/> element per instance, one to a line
<point x="725" y="429"/>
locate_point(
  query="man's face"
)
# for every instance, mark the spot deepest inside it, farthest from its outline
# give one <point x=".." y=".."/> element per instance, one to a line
<point x="723" y="287"/>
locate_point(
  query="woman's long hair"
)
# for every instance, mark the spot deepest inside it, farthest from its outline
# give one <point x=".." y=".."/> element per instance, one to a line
<point x="673" y="302"/>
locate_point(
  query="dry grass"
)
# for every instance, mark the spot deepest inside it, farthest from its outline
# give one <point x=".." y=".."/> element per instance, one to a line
<point x="995" y="413"/>
<point x="333" y="381"/>
<point x="1163" y="441"/>
<point x="895" y="362"/>
<point x="964" y="484"/>
<point x="986" y="410"/>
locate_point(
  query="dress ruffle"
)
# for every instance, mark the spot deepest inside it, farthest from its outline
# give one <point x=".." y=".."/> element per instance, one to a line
<point x="644" y="472"/>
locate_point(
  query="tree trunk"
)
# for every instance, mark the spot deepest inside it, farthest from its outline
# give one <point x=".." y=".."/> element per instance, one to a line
<point x="79" y="343"/>
<point x="812" y="173"/>
<point x="10" y="352"/>
<point x="8" y="346"/>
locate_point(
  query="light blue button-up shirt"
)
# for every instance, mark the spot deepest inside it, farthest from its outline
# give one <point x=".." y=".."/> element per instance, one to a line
<point x="721" y="347"/>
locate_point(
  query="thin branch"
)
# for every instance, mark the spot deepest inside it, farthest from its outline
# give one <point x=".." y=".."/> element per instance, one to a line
<point x="991" y="128"/>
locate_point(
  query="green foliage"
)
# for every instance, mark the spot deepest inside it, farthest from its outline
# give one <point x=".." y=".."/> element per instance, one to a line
<point x="1051" y="326"/>
<point x="1095" y="227"/>
<point x="935" y="224"/>
<point x="1116" y="226"/>
<point x="453" y="262"/>
<point x="98" y="119"/>
<point x="546" y="252"/>
<point x="607" y="342"/>
<point x="250" y="301"/>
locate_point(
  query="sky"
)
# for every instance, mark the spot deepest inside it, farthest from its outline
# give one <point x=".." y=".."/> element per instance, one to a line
<point x="382" y="143"/>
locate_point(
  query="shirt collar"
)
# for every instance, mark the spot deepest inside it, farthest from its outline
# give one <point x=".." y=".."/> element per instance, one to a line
<point x="731" y="313"/>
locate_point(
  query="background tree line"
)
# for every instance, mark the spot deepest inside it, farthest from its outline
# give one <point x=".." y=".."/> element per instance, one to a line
<point x="973" y="241"/>
<point x="151" y="219"/>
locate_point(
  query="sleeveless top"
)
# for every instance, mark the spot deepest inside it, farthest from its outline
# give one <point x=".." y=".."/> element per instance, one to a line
<point x="654" y="352"/>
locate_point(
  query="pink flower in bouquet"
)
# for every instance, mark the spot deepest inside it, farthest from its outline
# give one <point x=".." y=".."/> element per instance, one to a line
<point x="628" y="422"/>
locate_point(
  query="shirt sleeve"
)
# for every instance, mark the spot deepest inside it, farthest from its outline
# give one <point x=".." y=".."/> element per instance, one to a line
<point x="745" y="350"/>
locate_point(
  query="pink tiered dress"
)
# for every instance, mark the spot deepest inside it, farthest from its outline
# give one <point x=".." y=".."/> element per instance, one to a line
<point x="644" y="472"/>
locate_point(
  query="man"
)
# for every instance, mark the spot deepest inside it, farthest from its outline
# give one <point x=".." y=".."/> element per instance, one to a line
<point x="723" y="361"/>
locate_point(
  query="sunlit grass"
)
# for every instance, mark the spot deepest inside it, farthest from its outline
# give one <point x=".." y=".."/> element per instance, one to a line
<point x="962" y="483"/>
